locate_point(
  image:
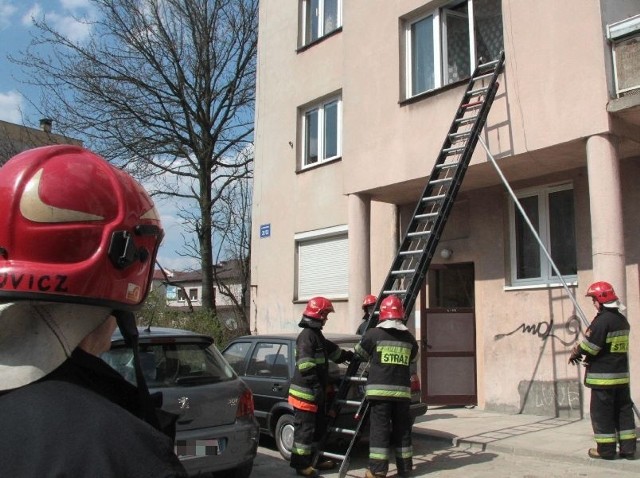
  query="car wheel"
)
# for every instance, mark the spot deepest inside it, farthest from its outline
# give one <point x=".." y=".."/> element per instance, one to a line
<point x="284" y="435"/>
<point x="243" y="471"/>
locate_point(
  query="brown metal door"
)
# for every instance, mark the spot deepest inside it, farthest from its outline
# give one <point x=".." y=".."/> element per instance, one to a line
<point x="448" y="358"/>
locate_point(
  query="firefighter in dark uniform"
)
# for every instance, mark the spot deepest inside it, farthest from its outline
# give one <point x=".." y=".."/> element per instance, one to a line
<point x="368" y="304"/>
<point x="307" y="392"/>
<point x="390" y="348"/>
<point x="605" y="349"/>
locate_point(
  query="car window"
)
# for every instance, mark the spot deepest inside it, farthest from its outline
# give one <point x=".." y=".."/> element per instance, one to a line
<point x="171" y="364"/>
<point x="269" y="360"/>
<point x="236" y="354"/>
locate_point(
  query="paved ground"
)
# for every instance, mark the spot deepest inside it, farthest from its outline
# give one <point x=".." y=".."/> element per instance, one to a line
<point x="434" y="457"/>
<point x="470" y="442"/>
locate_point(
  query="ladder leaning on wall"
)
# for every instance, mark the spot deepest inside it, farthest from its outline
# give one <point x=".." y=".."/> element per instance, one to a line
<point x="409" y="268"/>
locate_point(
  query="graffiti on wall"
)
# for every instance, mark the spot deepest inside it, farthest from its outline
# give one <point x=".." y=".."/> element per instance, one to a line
<point x="550" y="397"/>
<point x="544" y="330"/>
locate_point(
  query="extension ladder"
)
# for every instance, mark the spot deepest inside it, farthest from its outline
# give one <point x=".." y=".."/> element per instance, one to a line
<point x="421" y="238"/>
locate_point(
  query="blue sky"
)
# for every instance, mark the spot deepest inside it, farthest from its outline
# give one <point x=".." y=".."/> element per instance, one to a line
<point x="15" y="25"/>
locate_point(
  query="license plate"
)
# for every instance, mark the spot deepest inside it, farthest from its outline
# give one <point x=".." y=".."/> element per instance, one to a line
<point x="190" y="448"/>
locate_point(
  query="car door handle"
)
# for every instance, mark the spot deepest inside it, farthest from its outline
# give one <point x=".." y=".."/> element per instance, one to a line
<point x="276" y="387"/>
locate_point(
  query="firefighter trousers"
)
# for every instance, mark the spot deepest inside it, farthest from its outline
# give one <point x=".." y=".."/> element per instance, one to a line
<point x="308" y="429"/>
<point x="390" y="428"/>
<point x="612" y="421"/>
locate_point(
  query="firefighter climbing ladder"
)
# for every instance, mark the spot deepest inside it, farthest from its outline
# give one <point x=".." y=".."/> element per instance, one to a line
<point x="421" y="238"/>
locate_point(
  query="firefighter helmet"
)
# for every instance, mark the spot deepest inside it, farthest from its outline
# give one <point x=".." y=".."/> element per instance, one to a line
<point x="368" y="301"/>
<point x="318" y="308"/>
<point x="75" y="229"/>
<point x="391" y="308"/>
<point x="602" y="292"/>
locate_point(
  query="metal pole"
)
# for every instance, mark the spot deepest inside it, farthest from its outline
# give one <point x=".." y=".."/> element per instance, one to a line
<point x="542" y="246"/>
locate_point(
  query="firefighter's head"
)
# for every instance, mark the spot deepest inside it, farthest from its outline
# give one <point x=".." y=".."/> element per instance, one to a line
<point x="316" y="312"/>
<point x="391" y="308"/>
<point x="78" y="240"/>
<point x="368" y="303"/>
<point x="603" y="295"/>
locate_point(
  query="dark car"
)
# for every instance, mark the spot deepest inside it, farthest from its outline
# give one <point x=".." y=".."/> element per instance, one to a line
<point x="216" y="428"/>
<point x="266" y="363"/>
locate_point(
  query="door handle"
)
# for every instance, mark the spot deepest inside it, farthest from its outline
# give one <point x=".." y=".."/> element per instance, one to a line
<point x="276" y="387"/>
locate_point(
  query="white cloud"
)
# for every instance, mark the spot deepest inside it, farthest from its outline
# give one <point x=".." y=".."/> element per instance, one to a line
<point x="7" y="9"/>
<point x="72" y="25"/>
<point x="10" y="107"/>
<point x="75" y="4"/>
<point x="34" y="12"/>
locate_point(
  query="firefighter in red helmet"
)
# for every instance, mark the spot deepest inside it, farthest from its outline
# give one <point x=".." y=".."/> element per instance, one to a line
<point x="605" y="350"/>
<point x="78" y="240"/>
<point x="368" y="304"/>
<point x="390" y="348"/>
<point x="307" y="392"/>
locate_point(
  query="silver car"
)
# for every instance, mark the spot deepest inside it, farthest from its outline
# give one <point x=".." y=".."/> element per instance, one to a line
<point x="216" y="429"/>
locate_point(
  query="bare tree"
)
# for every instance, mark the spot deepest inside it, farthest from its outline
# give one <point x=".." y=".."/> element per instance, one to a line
<point x="162" y="88"/>
<point x="232" y="219"/>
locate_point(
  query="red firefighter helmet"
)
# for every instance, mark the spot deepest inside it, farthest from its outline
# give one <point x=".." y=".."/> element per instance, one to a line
<point x="318" y="308"/>
<point x="602" y="292"/>
<point x="391" y="308"/>
<point x="368" y="300"/>
<point x="74" y="228"/>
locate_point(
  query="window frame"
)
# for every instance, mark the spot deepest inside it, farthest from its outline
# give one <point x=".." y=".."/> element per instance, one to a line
<point x="547" y="278"/>
<point x="305" y="37"/>
<point x="311" y="285"/>
<point x="321" y="134"/>
<point x="439" y="45"/>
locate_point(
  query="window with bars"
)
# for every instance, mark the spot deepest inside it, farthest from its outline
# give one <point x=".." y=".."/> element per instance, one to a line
<point x="442" y="46"/>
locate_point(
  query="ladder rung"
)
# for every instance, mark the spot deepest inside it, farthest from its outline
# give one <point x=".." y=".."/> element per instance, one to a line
<point x="408" y="253"/>
<point x="433" y="198"/>
<point x="483" y="76"/>
<point x="335" y="456"/>
<point x="454" y="150"/>
<point x="343" y="431"/>
<point x="447" y="165"/>
<point x="426" y="216"/>
<point x="396" y="292"/>
<point x="440" y="181"/>
<point x="419" y="233"/>
<point x="469" y="119"/>
<point x="489" y="64"/>
<point x="355" y="403"/>
<point x="479" y="91"/>
<point x="474" y="104"/>
<point x="403" y="272"/>
<point x="457" y="136"/>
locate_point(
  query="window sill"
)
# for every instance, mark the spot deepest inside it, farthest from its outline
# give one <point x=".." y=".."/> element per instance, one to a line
<point x="549" y="285"/>
<point x="303" y="48"/>
<point x="434" y="92"/>
<point x="319" y="164"/>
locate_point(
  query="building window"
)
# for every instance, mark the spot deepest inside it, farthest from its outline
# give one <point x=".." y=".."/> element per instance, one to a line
<point x="181" y="295"/>
<point x="550" y="210"/>
<point x="319" y="18"/>
<point x="193" y="294"/>
<point x="443" y="45"/>
<point x="321" y="125"/>
<point x="322" y="263"/>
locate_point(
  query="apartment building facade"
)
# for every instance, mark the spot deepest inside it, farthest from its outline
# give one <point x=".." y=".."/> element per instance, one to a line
<point x="354" y="100"/>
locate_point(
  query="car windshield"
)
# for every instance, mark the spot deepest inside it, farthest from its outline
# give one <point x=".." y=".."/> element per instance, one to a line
<point x="172" y="364"/>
